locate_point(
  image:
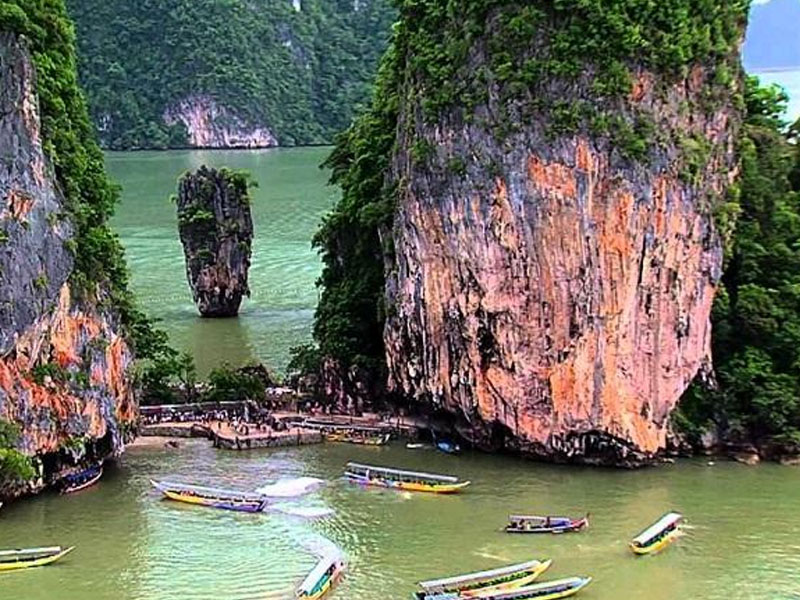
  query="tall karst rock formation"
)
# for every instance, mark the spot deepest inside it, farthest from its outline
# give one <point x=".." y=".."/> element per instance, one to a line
<point x="558" y="176"/>
<point x="63" y="357"/>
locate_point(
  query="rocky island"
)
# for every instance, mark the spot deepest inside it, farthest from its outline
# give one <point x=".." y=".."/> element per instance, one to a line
<point x="216" y="231"/>
<point x="547" y="193"/>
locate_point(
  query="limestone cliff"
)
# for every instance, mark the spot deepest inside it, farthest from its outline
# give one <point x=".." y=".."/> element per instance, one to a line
<point x="216" y="231"/>
<point x="209" y="125"/>
<point x="63" y="360"/>
<point x="558" y="172"/>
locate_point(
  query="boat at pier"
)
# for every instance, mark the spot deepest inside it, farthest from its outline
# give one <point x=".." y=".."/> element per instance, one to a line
<point x="548" y="524"/>
<point x="359" y="437"/>
<point x="321" y="578"/>
<point x="82" y="480"/>
<point x="11" y="560"/>
<point x="494" y="580"/>
<point x="448" y="447"/>
<point x="546" y="590"/>
<point x="212" y="497"/>
<point x="412" y="481"/>
<point x="659" y="535"/>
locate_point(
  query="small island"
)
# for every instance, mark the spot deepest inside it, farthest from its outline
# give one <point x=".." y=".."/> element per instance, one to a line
<point x="216" y="230"/>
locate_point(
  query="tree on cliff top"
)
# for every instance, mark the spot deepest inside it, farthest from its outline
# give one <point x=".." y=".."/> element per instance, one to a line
<point x="756" y="317"/>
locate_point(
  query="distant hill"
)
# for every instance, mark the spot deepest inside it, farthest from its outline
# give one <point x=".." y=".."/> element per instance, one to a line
<point x="773" y="36"/>
<point x="227" y="73"/>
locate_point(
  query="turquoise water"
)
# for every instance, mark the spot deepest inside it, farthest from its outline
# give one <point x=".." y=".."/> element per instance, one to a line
<point x="743" y="540"/>
<point x="287" y="208"/>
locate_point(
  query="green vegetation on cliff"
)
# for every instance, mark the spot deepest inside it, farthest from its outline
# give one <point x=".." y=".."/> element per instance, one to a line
<point x="756" y="316"/>
<point x="14" y="466"/>
<point x="297" y="68"/>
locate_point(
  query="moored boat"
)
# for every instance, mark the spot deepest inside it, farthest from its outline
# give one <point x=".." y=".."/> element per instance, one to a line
<point x="494" y="580"/>
<point x="212" y="497"/>
<point x="412" y="481"/>
<point x="659" y="535"/>
<point x="80" y="481"/>
<point x="321" y="578"/>
<point x="546" y="590"/>
<point x="357" y="437"/>
<point x="11" y="560"/>
<point x="548" y="524"/>
<point x="448" y="447"/>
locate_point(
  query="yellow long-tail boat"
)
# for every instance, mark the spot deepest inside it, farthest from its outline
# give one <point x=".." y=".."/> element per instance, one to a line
<point x="494" y="580"/>
<point x="658" y="536"/>
<point x="546" y="590"/>
<point x="411" y="481"/>
<point x="11" y="560"/>
<point x="212" y="497"/>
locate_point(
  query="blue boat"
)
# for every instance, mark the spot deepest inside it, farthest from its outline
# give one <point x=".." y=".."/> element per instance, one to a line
<point x="448" y="447"/>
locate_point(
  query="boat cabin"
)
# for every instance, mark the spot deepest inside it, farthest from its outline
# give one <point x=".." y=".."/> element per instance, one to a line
<point x="664" y="526"/>
<point x="368" y="472"/>
<point x="479" y="579"/>
<point x="560" y="588"/>
<point x="320" y="577"/>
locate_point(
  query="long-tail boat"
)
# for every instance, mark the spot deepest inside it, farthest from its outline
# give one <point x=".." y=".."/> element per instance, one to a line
<point x="213" y="497"/>
<point x="321" y="578"/>
<point x="80" y="481"/>
<point x="546" y="590"/>
<point x="356" y="437"/>
<point x="494" y="580"/>
<point x="659" y="535"/>
<point x="11" y="560"/>
<point x="549" y="524"/>
<point x="399" y="479"/>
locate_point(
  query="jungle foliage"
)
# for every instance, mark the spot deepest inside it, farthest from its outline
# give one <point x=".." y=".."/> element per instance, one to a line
<point x="299" y="68"/>
<point x="15" y="467"/>
<point x="756" y="315"/>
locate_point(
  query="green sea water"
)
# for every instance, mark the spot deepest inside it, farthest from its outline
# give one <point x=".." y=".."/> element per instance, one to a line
<point x="743" y="540"/>
<point x="291" y="199"/>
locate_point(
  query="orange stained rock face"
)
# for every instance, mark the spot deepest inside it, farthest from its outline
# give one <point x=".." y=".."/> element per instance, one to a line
<point x="65" y="337"/>
<point x="18" y="205"/>
<point x="553" y="179"/>
<point x="561" y="318"/>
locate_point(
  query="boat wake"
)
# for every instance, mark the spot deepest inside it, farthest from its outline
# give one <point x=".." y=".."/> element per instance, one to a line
<point x="289" y="488"/>
<point x="308" y="512"/>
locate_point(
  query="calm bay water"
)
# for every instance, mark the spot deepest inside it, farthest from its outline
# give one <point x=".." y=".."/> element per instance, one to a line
<point x="287" y="207"/>
<point x="743" y="542"/>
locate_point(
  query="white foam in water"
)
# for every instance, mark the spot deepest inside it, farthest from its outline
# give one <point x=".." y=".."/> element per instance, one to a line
<point x="309" y="512"/>
<point x="288" y="488"/>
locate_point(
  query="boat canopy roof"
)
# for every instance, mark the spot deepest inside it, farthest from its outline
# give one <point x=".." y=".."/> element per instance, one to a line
<point x="208" y="491"/>
<point x="455" y="581"/>
<point x="540" y="589"/>
<point x="665" y="522"/>
<point x="28" y="552"/>
<point x="402" y="473"/>
<point x="318" y="572"/>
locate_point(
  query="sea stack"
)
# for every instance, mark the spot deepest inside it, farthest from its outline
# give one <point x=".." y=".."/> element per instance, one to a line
<point x="216" y="231"/>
